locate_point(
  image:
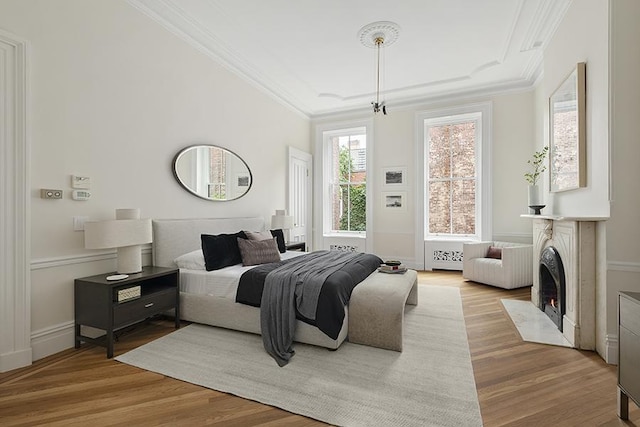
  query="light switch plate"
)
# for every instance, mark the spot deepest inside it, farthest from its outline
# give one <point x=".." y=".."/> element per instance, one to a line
<point x="78" y="222"/>
<point x="46" y="193"/>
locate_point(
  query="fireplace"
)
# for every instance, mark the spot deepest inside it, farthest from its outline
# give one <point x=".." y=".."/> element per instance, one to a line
<point x="565" y="256"/>
<point x="552" y="285"/>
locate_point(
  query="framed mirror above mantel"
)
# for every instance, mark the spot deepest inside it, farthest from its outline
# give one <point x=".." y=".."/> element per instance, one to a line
<point x="567" y="133"/>
<point x="212" y="173"/>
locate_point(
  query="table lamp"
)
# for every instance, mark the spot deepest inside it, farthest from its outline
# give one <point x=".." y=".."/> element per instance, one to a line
<point x="282" y="221"/>
<point x="126" y="233"/>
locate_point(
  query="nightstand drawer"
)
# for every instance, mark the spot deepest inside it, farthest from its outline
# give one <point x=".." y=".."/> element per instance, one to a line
<point x="629" y="363"/>
<point x="630" y="315"/>
<point x="139" y="309"/>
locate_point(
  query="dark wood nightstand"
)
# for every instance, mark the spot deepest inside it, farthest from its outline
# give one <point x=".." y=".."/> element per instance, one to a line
<point x="296" y="246"/>
<point x="113" y="305"/>
<point x="628" y="350"/>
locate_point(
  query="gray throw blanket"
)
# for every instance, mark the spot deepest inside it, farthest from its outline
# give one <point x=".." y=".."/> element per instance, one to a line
<point x="296" y="284"/>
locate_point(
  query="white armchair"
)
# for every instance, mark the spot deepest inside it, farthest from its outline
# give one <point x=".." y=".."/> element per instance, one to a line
<point x="514" y="270"/>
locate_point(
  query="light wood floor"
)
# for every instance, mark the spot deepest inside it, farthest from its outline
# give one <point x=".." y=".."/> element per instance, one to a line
<point x="518" y="383"/>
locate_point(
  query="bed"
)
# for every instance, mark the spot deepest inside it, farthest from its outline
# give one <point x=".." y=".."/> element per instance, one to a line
<point x="175" y="237"/>
<point x="374" y="315"/>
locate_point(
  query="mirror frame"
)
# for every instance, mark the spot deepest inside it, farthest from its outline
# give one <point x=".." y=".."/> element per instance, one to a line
<point x="183" y="185"/>
<point x="570" y="160"/>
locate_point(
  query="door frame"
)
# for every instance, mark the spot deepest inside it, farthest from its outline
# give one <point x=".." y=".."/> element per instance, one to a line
<point x="15" y="211"/>
<point x="294" y="153"/>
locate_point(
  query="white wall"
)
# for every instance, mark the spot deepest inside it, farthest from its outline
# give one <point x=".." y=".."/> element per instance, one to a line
<point x="394" y="142"/>
<point x="582" y="37"/>
<point x="622" y="230"/>
<point x="115" y="96"/>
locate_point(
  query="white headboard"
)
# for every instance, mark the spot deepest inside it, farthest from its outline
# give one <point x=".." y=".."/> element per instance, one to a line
<point x="175" y="237"/>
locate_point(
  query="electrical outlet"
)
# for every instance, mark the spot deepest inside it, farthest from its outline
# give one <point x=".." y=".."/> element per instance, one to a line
<point x="50" y="194"/>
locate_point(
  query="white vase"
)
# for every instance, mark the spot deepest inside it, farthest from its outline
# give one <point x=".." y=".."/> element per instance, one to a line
<point x="535" y="199"/>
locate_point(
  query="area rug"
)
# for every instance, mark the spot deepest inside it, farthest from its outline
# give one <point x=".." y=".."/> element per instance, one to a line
<point x="430" y="383"/>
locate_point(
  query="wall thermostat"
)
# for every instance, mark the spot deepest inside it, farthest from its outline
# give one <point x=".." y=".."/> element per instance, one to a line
<point x="78" y="181"/>
<point x="80" y="195"/>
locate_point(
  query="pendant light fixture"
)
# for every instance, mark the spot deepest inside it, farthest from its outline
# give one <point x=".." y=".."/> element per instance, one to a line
<point x="379" y="35"/>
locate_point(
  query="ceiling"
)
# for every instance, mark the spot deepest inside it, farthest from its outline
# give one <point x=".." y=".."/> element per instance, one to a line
<point x="308" y="54"/>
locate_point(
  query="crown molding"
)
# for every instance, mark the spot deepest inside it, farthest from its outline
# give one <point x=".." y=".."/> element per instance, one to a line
<point x="546" y="20"/>
<point x="177" y="21"/>
<point x="547" y="16"/>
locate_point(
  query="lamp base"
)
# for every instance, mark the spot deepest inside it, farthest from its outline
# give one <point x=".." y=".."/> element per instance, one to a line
<point x="129" y="259"/>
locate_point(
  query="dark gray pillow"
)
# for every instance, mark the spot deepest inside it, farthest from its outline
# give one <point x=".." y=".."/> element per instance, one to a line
<point x="279" y="235"/>
<point x="254" y="252"/>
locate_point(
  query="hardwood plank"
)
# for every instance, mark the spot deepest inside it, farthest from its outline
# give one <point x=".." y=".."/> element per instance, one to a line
<point x="518" y="383"/>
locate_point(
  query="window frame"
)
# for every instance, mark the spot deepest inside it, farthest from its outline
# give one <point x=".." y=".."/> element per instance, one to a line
<point x="484" y="198"/>
<point x="327" y="135"/>
<point x="454" y="119"/>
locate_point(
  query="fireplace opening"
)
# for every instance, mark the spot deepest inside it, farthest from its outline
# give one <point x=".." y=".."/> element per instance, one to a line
<point x="552" y="285"/>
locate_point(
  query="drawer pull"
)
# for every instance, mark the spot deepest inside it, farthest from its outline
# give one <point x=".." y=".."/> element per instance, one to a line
<point x="148" y="305"/>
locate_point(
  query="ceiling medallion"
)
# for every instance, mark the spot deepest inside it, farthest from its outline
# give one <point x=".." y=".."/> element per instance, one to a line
<point x="388" y="30"/>
<point x="378" y="35"/>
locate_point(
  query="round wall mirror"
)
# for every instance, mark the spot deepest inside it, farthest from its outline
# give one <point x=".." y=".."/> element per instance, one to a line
<point x="212" y="173"/>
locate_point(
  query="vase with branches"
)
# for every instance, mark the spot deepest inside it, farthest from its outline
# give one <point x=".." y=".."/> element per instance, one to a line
<point x="537" y="168"/>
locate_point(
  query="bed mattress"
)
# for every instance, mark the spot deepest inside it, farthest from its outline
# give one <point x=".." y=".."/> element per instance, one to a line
<point x="221" y="283"/>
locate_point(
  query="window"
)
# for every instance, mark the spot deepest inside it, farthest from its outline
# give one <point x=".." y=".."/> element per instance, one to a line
<point x="217" y="175"/>
<point x="345" y="177"/>
<point x="454" y="196"/>
<point x="451" y="174"/>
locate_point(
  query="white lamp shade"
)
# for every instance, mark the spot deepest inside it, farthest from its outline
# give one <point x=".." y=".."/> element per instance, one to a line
<point x="116" y="233"/>
<point x="124" y="234"/>
<point x="284" y="222"/>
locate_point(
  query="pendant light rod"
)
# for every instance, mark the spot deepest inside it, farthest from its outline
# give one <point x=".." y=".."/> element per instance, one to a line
<point x="378" y="35"/>
<point x="379" y="43"/>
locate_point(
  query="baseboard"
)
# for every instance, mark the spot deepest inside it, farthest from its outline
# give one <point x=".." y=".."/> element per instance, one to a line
<point x="611" y="349"/>
<point x="54" y="339"/>
<point x="15" y="360"/>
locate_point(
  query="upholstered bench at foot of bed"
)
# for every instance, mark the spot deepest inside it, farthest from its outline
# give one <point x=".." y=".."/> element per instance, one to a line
<point x="376" y="309"/>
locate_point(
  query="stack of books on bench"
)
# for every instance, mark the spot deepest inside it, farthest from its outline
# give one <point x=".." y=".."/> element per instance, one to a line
<point x="393" y="267"/>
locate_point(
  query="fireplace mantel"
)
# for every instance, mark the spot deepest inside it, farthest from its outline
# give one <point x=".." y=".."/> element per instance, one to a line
<point x="575" y="240"/>
<point x="565" y="218"/>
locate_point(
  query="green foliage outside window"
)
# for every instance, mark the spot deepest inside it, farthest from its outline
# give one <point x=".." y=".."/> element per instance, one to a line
<point x="353" y="195"/>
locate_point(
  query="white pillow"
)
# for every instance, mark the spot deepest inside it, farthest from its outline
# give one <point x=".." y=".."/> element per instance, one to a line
<point x="191" y="261"/>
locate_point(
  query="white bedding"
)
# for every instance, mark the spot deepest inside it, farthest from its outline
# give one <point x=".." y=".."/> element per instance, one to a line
<point x="221" y="283"/>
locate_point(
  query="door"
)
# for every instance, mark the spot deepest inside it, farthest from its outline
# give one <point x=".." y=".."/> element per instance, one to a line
<point x="300" y="196"/>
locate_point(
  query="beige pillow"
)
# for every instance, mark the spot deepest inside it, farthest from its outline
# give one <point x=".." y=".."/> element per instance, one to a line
<point x="254" y="252"/>
<point x="258" y="235"/>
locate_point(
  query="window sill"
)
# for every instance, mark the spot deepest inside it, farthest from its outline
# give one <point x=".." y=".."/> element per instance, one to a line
<point x="346" y="235"/>
<point x="452" y="239"/>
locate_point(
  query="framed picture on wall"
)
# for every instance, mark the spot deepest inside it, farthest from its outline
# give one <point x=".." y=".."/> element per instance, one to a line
<point x="394" y="177"/>
<point x="395" y="201"/>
